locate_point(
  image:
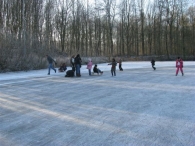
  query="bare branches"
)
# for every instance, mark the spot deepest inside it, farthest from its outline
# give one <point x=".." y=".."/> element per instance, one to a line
<point x="104" y="27"/>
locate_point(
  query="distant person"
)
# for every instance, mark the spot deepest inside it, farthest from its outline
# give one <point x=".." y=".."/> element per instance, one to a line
<point x="77" y="62"/>
<point x="97" y="70"/>
<point x="113" y="67"/>
<point x="120" y="64"/>
<point x="179" y="66"/>
<point x="89" y="66"/>
<point x="62" y="68"/>
<point x="72" y="61"/>
<point x="50" y="66"/>
<point x="153" y="64"/>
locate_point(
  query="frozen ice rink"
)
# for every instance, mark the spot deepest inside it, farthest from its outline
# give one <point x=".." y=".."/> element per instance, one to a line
<point x="137" y="107"/>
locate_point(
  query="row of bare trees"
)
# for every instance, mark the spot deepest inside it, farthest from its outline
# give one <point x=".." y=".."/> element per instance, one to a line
<point x="102" y="28"/>
<point x="164" y="27"/>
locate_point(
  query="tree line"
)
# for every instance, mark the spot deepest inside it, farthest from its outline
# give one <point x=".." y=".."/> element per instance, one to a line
<point x="31" y="28"/>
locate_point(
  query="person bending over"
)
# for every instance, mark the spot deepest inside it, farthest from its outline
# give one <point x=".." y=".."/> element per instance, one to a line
<point x="62" y="68"/>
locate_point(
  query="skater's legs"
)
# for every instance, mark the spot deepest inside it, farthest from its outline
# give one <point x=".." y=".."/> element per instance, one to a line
<point x="120" y="67"/>
<point x="112" y="72"/>
<point x="51" y="66"/>
<point x="89" y="71"/>
<point x="153" y="67"/>
<point x="181" y="70"/>
<point x="177" y="70"/>
<point x="77" y="68"/>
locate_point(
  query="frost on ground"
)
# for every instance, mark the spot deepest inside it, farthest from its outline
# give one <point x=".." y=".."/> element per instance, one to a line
<point x="137" y="107"/>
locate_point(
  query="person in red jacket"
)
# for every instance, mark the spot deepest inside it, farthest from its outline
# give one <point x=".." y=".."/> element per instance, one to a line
<point x="179" y="66"/>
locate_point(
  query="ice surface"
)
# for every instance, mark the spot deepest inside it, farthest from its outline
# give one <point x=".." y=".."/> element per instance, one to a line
<point x="139" y="106"/>
<point x="103" y="67"/>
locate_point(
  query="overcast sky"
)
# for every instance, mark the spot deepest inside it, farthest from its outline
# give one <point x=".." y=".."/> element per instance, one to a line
<point x="190" y="2"/>
<point x="92" y="1"/>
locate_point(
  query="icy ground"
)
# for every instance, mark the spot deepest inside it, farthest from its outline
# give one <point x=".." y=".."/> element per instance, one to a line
<point x="137" y="107"/>
<point x="103" y="67"/>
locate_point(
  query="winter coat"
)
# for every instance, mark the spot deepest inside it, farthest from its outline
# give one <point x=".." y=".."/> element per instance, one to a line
<point x="77" y="60"/>
<point x="89" y="65"/>
<point x="114" y="64"/>
<point x="179" y="63"/>
<point x="95" y="69"/>
<point x="50" y="60"/>
<point x="153" y="62"/>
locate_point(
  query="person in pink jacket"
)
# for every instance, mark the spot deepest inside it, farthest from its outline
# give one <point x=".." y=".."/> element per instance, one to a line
<point x="89" y="66"/>
<point x="179" y="66"/>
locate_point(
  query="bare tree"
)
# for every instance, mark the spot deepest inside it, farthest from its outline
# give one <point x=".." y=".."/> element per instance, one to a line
<point x="62" y="19"/>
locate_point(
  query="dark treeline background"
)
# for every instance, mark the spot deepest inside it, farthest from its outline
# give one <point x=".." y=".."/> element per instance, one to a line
<point x="30" y="29"/>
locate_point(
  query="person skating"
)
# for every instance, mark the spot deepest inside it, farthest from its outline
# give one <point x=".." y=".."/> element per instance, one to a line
<point x="50" y="66"/>
<point x="179" y="66"/>
<point x="120" y="64"/>
<point x="153" y="64"/>
<point x="113" y="67"/>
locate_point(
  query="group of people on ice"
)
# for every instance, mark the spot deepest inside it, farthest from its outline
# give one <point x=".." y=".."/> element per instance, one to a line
<point x="179" y="65"/>
<point x="76" y="63"/>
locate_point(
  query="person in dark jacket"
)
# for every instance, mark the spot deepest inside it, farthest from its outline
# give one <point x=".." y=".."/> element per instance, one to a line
<point x="97" y="70"/>
<point x="70" y="73"/>
<point x="77" y="62"/>
<point x="50" y="66"/>
<point x="113" y="67"/>
<point x="62" y="68"/>
<point x="153" y="64"/>
<point x="120" y="64"/>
